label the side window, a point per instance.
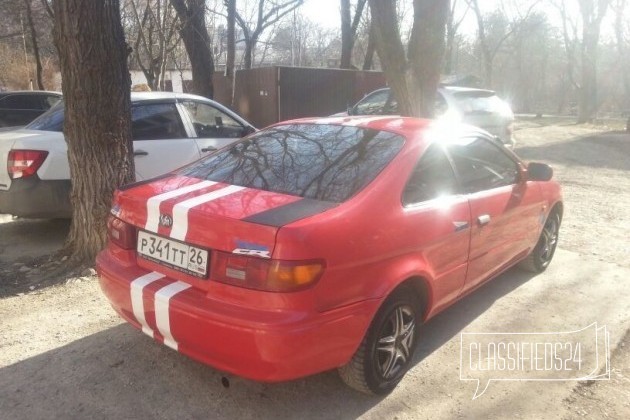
(212, 122)
(482, 165)
(373, 104)
(22, 102)
(156, 122)
(432, 177)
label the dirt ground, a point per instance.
(65, 354)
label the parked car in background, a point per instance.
(478, 107)
(19, 108)
(324, 243)
(169, 131)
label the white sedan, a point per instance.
(169, 131)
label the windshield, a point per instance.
(322, 162)
(51, 120)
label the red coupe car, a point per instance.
(324, 243)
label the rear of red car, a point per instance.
(221, 261)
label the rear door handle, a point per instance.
(140, 153)
(208, 149)
(483, 220)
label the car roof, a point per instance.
(454, 89)
(404, 126)
(411, 128)
(458, 89)
(151, 96)
(30, 92)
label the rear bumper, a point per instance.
(34, 198)
(264, 345)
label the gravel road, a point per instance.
(65, 354)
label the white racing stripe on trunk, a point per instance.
(137, 303)
(180, 210)
(153, 203)
(162, 317)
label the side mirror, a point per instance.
(248, 130)
(539, 171)
(349, 110)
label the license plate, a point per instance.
(173, 254)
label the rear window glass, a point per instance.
(321, 162)
(51, 120)
(480, 103)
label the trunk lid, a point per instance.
(206, 214)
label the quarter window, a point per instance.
(209, 122)
(432, 177)
(373, 104)
(482, 165)
(156, 122)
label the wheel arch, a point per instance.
(421, 287)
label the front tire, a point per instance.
(545, 248)
(386, 352)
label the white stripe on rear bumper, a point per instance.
(162, 317)
(153, 203)
(180, 210)
(137, 303)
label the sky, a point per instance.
(326, 12)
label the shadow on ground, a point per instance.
(606, 150)
(122, 373)
(24, 239)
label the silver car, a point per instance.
(477, 107)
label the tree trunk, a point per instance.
(593, 12)
(368, 62)
(347, 40)
(623, 58)
(483, 44)
(38, 60)
(413, 81)
(247, 57)
(97, 123)
(231, 38)
(192, 15)
(588, 86)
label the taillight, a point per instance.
(262, 274)
(121, 233)
(24, 163)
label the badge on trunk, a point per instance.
(166, 220)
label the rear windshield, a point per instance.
(51, 120)
(480, 102)
(321, 162)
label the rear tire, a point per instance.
(387, 350)
(542, 254)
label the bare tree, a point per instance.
(97, 123)
(622, 48)
(349, 26)
(452, 27)
(268, 13)
(231, 38)
(35, 45)
(592, 12)
(413, 77)
(156, 37)
(192, 17)
(489, 49)
(368, 60)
